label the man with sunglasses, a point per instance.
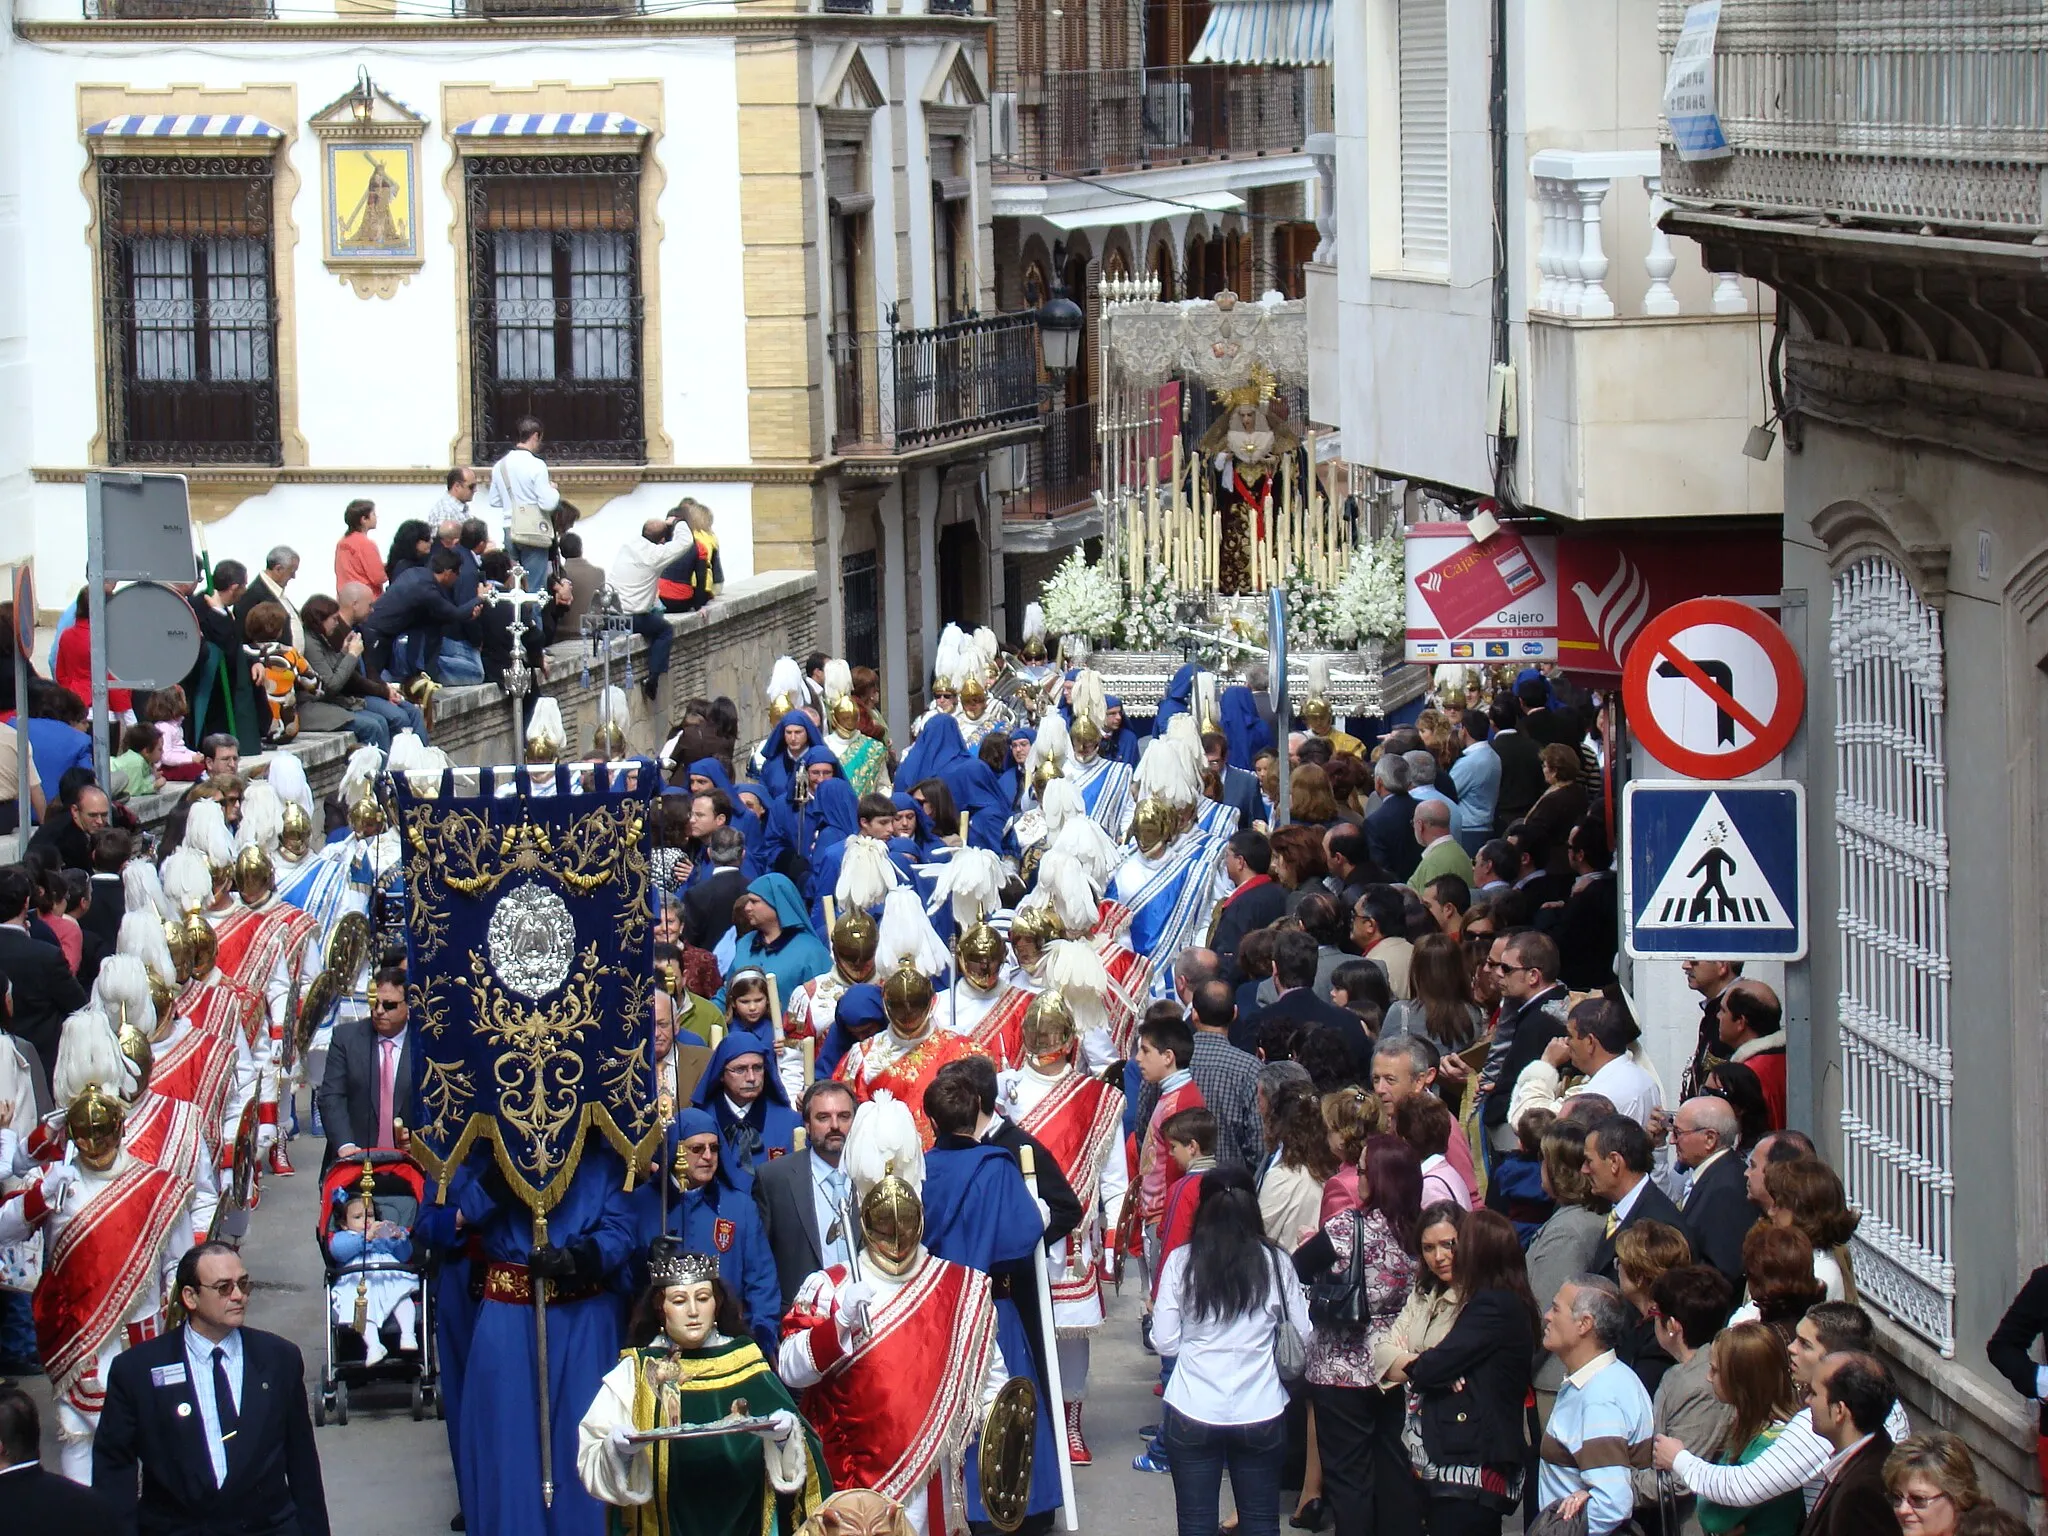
(215, 1384)
(1532, 1010)
(369, 1075)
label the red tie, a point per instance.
(387, 1079)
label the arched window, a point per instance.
(1891, 838)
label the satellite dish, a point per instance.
(152, 636)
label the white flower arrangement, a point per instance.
(1311, 612)
(1371, 602)
(1082, 599)
(1149, 624)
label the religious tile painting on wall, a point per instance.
(372, 202)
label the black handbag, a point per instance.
(1339, 1300)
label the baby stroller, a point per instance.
(397, 1189)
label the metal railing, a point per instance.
(546, 8)
(1874, 111)
(1082, 120)
(178, 10)
(899, 390)
(1059, 466)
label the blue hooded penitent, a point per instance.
(744, 821)
(933, 749)
(859, 1007)
(797, 953)
(719, 1219)
(1247, 734)
(1125, 744)
(777, 772)
(767, 1129)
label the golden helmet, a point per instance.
(781, 705)
(609, 740)
(1048, 1027)
(892, 1221)
(297, 834)
(981, 954)
(255, 875)
(1317, 715)
(1037, 926)
(93, 1123)
(844, 716)
(134, 1043)
(162, 993)
(178, 939)
(202, 946)
(1085, 734)
(1153, 824)
(854, 938)
(1048, 770)
(907, 998)
(973, 694)
(365, 815)
(543, 748)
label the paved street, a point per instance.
(388, 1476)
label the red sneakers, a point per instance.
(1077, 1448)
(281, 1160)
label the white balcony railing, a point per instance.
(1571, 188)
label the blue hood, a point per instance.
(780, 894)
(937, 746)
(1247, 734)
(740, 1043)
(776, 772)
(830, 818)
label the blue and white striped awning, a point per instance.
(522, 125)
(1288, 32)
(202, 125)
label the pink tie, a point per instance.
(387, 1078)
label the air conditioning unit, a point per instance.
(1169, 113)
(1002, 118)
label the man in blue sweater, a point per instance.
(1602, 1423)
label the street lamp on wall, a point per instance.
(362, 101)
(1060, 323)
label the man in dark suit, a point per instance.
(43, 990)
(1235, 787)
(1255, 902)
(69, 828)
(708, 903)
(368, 1084)
(1588, 926)
(1521, 763)
(214, 1415)
(1618, 1161)
(1532, 867)
(111, 850)
(1717, 1210)
(1390, 829)
(1532, 1008)
(1852, 1396)
(36, 1500)
(418, 603)
(1295, 954)
(804, 1199)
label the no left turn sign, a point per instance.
(1713, 688)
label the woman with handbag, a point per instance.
(1468, 1389)
(1361, 1267)
(1234, 1320)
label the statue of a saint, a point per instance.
(1244, 449)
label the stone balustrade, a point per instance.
(1570, 187)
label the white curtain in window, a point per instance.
(523, 304)
(237, 311)
(160, 288)
(601, 306)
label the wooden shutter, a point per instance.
(845, 183)
(1425, 137)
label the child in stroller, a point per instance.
(373, 1283)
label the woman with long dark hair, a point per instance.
(1744, 1092)
(410, 546)
(1439, 1003)
(1467, 1389)
(1363, 1261)
(1221, 1298)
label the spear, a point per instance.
(540, 1344)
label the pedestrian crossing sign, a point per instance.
(1714, 870)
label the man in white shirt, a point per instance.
(1597, 1035)
(520, 479)
(635, 573)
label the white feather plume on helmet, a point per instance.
(1091, 699)
(1034, 623)
(142, 891)
(89, 1052)
(883, 1141)
(866, 874)
(1083, 840)
(1075, 971)
(206, 833)
(987, 647)
(424, 776)
(906, 931)
(262, 819)
(142, 936)
(1050, 745)
(953, 658)
(972, 880)
(1067, 887)
(288, 777)
(1061, 801)
(121, 991)
(406, 748)
(546, 727)
(786, 681)
(188, 881)
(1167, 772)
(360, 776)
(838, 679)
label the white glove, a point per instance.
(618, 1440)
(1223, 462)
(853, 1309)
(57, 1183)
(1044, 1214)
(10, 1145)
(782, 1425)
(1006, 1092)
(266, 1138)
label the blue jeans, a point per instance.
(1254, 1455)
(379, 720)
(654, 628)
(535, 563)
(409, 657)
(459, 664)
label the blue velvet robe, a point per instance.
(979, 1212)
(497, 1462)
(770, 1127)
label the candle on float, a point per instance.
(1152, 485)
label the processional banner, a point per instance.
(531, 971)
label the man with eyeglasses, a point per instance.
(1532, 1009)
(214, 1383)
(1717, 1209)
(86, 814)
(369, 1075)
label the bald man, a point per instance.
(1752, 1030)
(1441, 852)
(1717, 1209)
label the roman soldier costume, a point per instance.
(263, 944)
(904, 1058)
(815, 1004)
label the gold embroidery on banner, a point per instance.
(537, 1074)
(445, 1091)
